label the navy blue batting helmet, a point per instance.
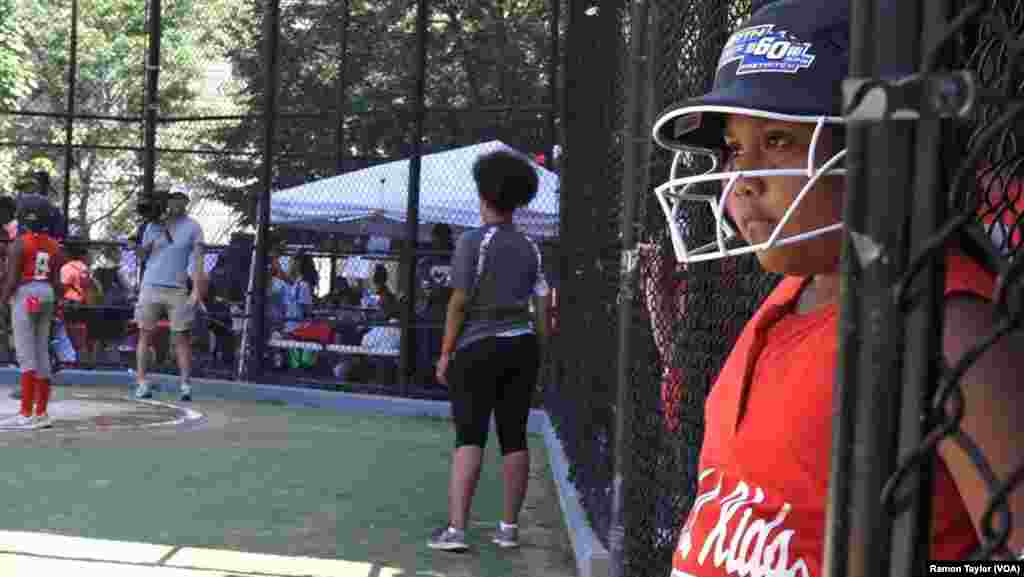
(786, 62)
(33, 213)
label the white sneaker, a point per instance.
(42, 422)
(143, 392)
(18, 421)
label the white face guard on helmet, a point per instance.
(678, 189)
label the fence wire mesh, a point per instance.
(345, 101)
(691, 316)
(684, 322)
(581, 402)
(986, 40)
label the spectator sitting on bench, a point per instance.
(117, 311)
(349, 327)
(375, 367)
(79, 288)
(277, 289)
(298, 297)
(384, 337)
(337, 296)
(380, 296)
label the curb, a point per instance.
(592, 558)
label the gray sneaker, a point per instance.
(506, 538)
(143, 391)
(448, 539)
(18, 421)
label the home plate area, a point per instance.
(85, 412)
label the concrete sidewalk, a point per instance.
(27, 554)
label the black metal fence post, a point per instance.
(408, 344)
(636, 152)
(339, 138)
(150, 115)
(69, 122)
(922, 362)
(271, 33)
(582, 405)
(553, 78)
(874, 368)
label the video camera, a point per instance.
(152, 207)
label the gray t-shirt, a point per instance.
(167, 265)
(500, 269)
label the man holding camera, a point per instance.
(168, 241)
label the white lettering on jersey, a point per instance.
(742, 544)
(42, 266)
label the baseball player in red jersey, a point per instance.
(32, 287)
(773, 126)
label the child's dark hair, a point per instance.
(380, 275)
(441, 236)
(75, 248)
(505, 180)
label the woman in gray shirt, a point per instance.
(490, 355)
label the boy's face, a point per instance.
(757, 203)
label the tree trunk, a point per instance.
(86, 171)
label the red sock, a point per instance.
(42, 394)
(28, 379)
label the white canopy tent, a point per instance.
(373, 201)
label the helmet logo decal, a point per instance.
(765, 49)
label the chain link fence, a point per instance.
(964, 165)
(352, 87)
(692, 317)
(682, 324)
(581, 402)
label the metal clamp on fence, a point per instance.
(940, 95)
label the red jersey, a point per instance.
(762, 486)
(38, 254)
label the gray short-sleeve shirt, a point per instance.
(173, 246)
(500, 268)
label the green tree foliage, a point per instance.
(110, 82)
(348, 63)
(13, 80)
(481, 55)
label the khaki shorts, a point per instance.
(154, 301)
